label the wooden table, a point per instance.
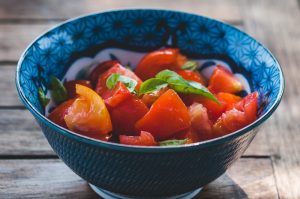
(270, 168)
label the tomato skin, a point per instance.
(88, 113)
(192, 76)
(71, 89)
(214, 110)
(154, 62)
(58, 114)
(200, 122)
(166, 117)
(101, 87)
(115, 96)
(126, 114)
(223, 80)
(101, 68)
(243, 113)
(144, 139)
(150, 98)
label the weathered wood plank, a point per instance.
(55, 9)
(20, 134)
(276, 24)
(9, 96)
(248, 178)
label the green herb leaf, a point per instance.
(42, 97)
(190, 65)
(180, 85)
(114, 78)
(58, 91)
(172, 142)
(151, 85)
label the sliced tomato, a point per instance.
(115, 96)
(243, 113)
(150, 98)
(192, 76)
(223, 80)
(101, 87)
(88, 113)
(101, 68)
(70, 86)
(214, 109)
(126, 114)
(166, 117)
(58, 114)
(154, 62)
(200, 122)
(144, 139)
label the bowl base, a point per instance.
(110, 195)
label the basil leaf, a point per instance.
(190, 65)
(151, 85)
(42, 97)
(180, 85)
(58, 91)
(172, 142)
(114, 78)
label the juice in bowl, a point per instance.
(148, 103)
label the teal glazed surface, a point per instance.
(148, 171)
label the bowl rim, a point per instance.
(117, 146)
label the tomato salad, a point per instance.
(164, 101)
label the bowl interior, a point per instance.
(69, 50)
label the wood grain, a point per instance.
(8, 96)
(30, 10)
(248, 178)
(276, 24)
(20, 134)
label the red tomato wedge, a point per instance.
(150, 98)
(88, 113)
(200, 122)
(223, 80)
(101, 68)
(117, 68)
(126, 114)
(71, 89)
(58, 114)
(243, 113)
(214, 110)
(166, 117)
(144, 139)
(192, 76)
(154, 62)
(116, 95)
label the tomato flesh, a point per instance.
(115, 96)
(200, 122)
(88, 113)
(58, 114)
(166, 117)
(71, 86)
(144, 139)
(126, 114)
(101, 87)
(223, 80)
(243, 113)
(101, 68)
(192, 76)
(154, 62)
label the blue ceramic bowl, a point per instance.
(71, 49)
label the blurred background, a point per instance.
(270, 167)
